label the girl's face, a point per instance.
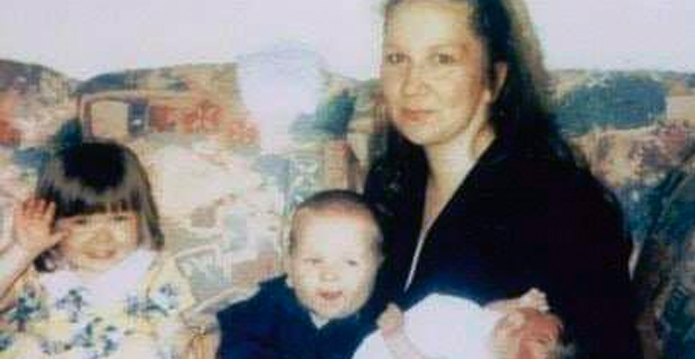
(97, 242)
(435, 71)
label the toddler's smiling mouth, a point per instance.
(330, 295)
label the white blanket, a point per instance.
(441, 326)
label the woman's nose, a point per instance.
(414, 83)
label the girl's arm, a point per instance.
(187, 331)
(203, 346)
(32, 235)
(13, 262)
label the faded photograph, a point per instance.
(507, 179)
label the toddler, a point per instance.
(316, 311)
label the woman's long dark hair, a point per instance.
(521, 115)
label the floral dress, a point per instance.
(132, 310)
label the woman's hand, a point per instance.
(527, 333)
(391, 320)
(33, 233)
(540, 336)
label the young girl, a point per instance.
(99, 286)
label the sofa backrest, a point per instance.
(226, 180)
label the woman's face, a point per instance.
(435, 72)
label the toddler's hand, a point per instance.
(32, 230)
(391, 320)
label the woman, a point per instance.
(479, 195)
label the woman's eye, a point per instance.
(395, 58)
(312, 261)
(444, 59)
(353, 263)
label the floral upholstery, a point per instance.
(225, 198)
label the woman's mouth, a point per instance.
(415, 115)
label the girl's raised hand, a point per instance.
(33, 227)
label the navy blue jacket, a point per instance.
(274, 325)
(517, 221)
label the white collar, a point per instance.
(318, 321)
(111, 286)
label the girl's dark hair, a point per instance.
(94, 177)
(521, 114)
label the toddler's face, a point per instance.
(333, 264)
(97, 242)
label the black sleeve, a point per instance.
(376, 193)
(245, 334)
(588, 267)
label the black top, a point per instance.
(517, 221)
(274, 325)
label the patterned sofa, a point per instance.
(225, 178)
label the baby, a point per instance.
(443, 326)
